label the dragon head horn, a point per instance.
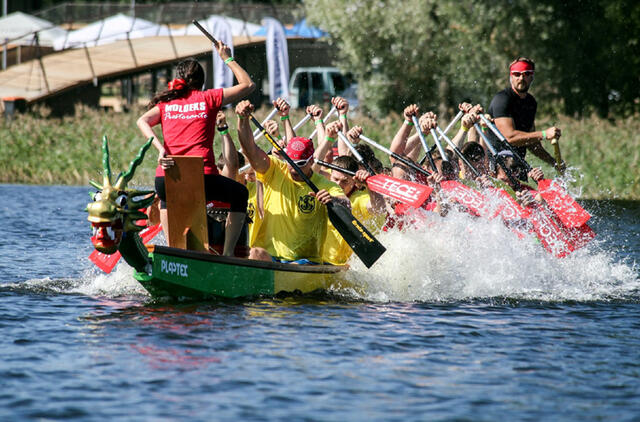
(124, 178)
(106, 177)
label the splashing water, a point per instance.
(459, 258)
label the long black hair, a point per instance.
(188, 70)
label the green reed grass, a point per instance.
(36, 149)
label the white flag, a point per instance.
(277, 59)
(221, 31)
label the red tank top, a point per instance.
(188, 126)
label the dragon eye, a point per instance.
(121, 200)
(97, 196)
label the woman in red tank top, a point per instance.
(187, 115)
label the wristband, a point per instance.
(224, 132)
(330, 139)
(284, 117)
(466, 129)
(319, 122)
(408, 123)
(544, 135)
(223, 128)
(229, 60)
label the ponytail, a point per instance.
(190, 76)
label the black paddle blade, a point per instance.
(355, 234)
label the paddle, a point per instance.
(409, 193)
(444, 136)
(256, 133)
(558, 157)
(400, 158)
(499, 158)
(566, 208)
(416, 123)
(363, 243)
(412, 194)
(443, 153)
(355, 153)
(446, 130)
(331, 112)
(304, 120)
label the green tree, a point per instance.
(438, 53)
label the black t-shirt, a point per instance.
(507, 103)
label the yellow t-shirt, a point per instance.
(294, 224)
(336, 251)
(252, 212)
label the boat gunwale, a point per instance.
(245, 262)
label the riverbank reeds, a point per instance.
(35, 149)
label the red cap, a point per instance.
(300, 148)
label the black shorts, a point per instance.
(216, 188)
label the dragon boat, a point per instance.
(188, 267)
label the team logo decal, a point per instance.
(250, 210)
(306, 204)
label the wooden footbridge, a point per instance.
(57, 73)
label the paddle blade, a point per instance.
(466, 196)
(355, 234)
(412, 194)
(570, 213)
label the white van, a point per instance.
(316, 85)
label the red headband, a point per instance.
(176, 84)
(521, 67)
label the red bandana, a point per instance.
(521, 67)
(176, 84)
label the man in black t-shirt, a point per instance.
(514, 111)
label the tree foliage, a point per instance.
(442, 52)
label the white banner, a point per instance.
(221, 31)
(277, 59)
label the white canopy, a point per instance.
(238, 27)
(20, 27)
(109, 30)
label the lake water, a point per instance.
(461, 322)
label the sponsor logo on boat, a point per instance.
(174, 268)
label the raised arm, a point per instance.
(342, 105)
(245, 85)
(258, 159)
(283, 108)
(398, 144)
(466, 123)
(229, 152)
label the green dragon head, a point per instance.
(115, 208)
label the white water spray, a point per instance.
(459, 257)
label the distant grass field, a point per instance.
(34, 149)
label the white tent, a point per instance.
(109, 30)
(238, 27)
(19, 28)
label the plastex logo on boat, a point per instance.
(174, 268)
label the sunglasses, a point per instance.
(301, 163)
(525, 73)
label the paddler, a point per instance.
(365, 205)
(295, 220)
(514, 110)
(188, 116)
